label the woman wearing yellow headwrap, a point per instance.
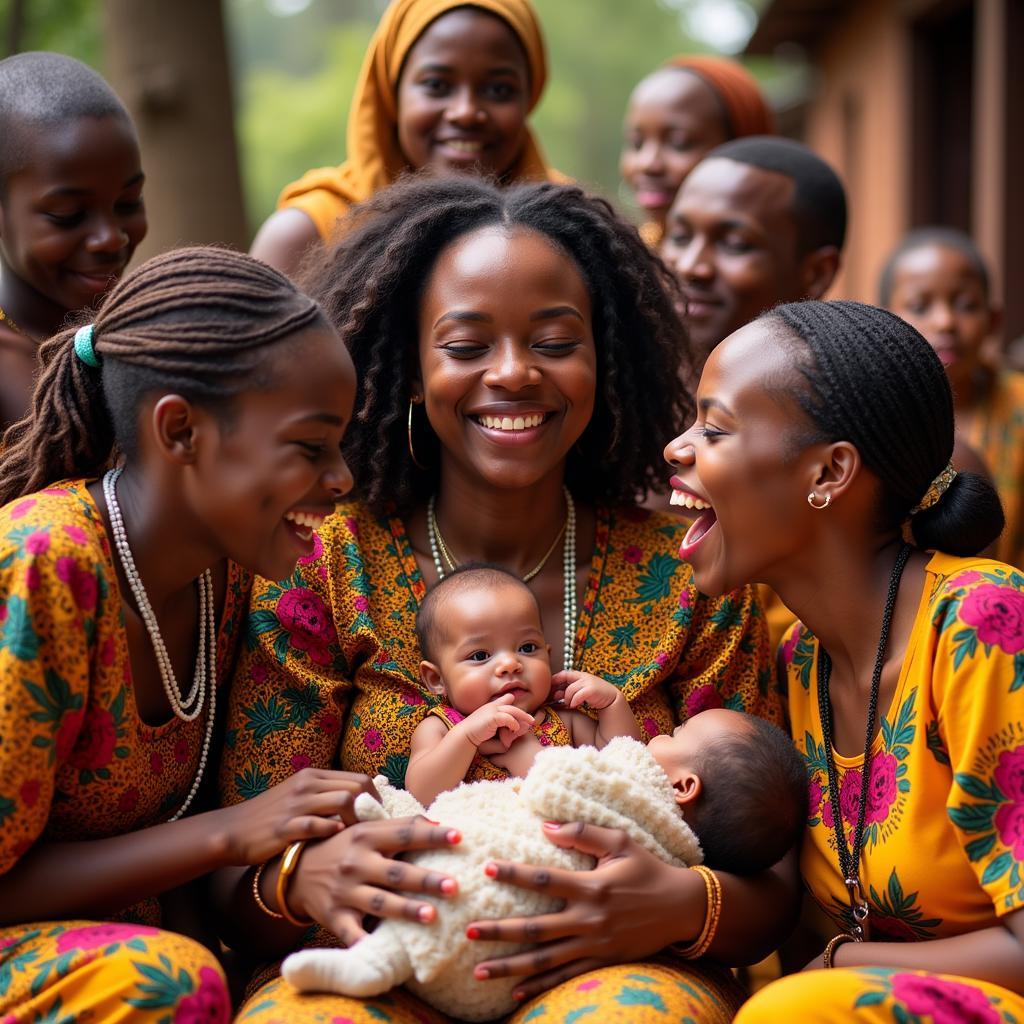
(445, 86)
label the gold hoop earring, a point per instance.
(825, 504)
(412, 452)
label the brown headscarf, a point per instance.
(374, 159)
(744, 104)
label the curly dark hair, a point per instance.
(370, 285)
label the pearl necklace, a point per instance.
(206, 656)
(437, 546)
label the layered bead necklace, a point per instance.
(186, 707)
(439, 548)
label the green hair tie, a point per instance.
(83, 347)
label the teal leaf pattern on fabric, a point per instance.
(655, 582)
(302, 703)
(936, 744)
(630, 995)
(581, 1011)
(394, 769)
(162, 988)
(252, 782)
(265, 718)
(16, 632)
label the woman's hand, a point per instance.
(342, 879)
(630, 905)
(312, 804)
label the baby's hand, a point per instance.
(576, 689)
(499, 718)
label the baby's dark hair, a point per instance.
(920, 238)
(819, 199)
(463, 577)
(42, 90)
(198, 322)
(867, 377)
(753, 803)
(371, 283)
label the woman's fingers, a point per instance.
(397, 835)
(552, 881)
(540, 983)
(311, 827)
(592, 839)
(399, 876)
(347, 925)
(381, 903)
(542, 928)
(539, 960)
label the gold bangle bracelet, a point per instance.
(833, 944)
(260, 902)
(289, 862)
(702, 943)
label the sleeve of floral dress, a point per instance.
(288, 693)
(51, 586)
(977, 628)
(726, 660)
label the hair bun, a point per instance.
(966, 519)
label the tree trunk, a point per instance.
(169, 63)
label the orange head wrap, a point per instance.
(374, 159)
(744, 103)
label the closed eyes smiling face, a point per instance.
(508, 368)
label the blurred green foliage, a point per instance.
(296, 76)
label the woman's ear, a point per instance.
(834, 470)
(430, 676)
(173, 428)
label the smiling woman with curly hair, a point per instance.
(518, 355)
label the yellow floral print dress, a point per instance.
(997, 433)
(944, 829)
(77, 763)
(336, 644)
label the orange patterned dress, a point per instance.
(330, 677)
(77, 763)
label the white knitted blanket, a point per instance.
(621, 787)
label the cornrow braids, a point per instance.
(370, 286)
(869, 378)
(196, 322)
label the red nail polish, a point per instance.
(481, 973)
(448, 886)
(518, 996)
(453, 835)
(472, 932)
(491, 869)
(552, 826)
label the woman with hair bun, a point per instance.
(822, 445)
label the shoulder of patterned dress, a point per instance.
(954, 576)
(59, 520)
(633, 534)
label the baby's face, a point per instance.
(489, 643)
(680, 753)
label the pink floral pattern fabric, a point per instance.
(947, 767)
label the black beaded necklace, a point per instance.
(849, 859)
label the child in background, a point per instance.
(937, 281)
(676, 115)
(484, 651)
(71, 211)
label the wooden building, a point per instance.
(919, 104)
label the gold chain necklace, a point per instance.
(435, 532)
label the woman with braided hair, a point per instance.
(518, 352)
(822, 449)
(176, 446)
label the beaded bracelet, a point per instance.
(702, 943)
(833, 944)
(260, 902)
(289, 862)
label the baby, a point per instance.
(725, 788)
(480, 636)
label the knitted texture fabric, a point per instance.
(621, 786)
